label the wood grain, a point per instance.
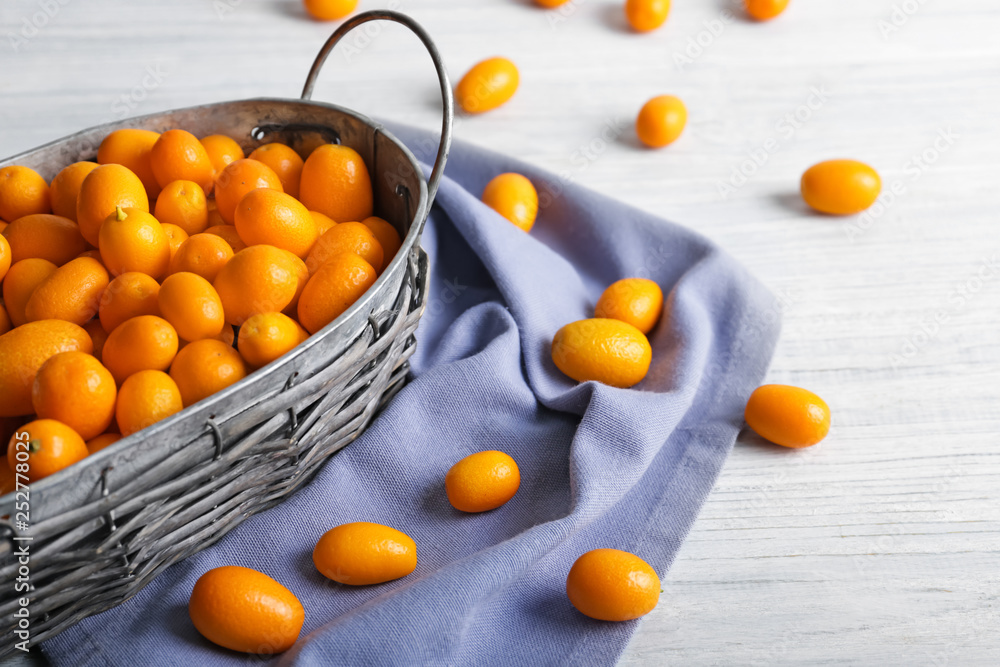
(881, 545)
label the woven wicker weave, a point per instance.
(101, 530)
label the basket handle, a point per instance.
(446, 94)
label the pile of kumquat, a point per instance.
(164, 272)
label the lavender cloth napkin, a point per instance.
(600, 467)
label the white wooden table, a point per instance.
(880, 546)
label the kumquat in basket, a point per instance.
(166, 271)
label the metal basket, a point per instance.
(100, 530)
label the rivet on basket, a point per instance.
(404, 192)
(216, 436)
